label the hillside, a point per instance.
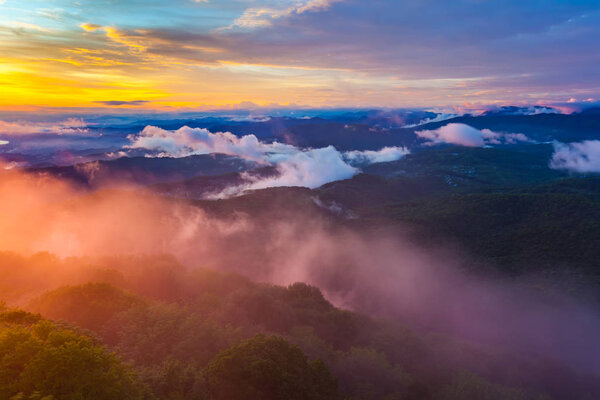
(172, 330)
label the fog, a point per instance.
(382, 273)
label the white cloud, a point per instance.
(315, 167)
(311, 168)
(257, 17)
(68, 126)
(187, 141)
(461, 134)
(581, 157)
(386, 154)
(3, 142)
(465, 135)
(296, 167)
(438, 118)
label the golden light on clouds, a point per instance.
(307, 52)
(93, 63)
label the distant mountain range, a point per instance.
(146, 170)
(346, 131)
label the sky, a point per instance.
(195, 54)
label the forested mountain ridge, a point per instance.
(172, 324)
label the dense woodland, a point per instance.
(152, 327)
(299, 200)
(147, 327)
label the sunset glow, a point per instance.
(184, 53)
(299, 199)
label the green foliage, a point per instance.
(41, 360)
(184, 330)
(368, 374)
(172, 343)
(175, 380)
(503, 205)
(516, 230)
(301, 295)
(439, 172)
(268, 368)
(90, 305)
(152, 335)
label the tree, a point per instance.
(41, 360)
(268, 368)
(469, 386)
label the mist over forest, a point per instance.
(299, 200)
(442, 260)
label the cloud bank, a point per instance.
(122, 102)
(187, 141)
(66, 127)
(295, 166)
(465, 135)
(583, 157)
(386, 154)
(311, 168)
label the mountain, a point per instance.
(146, 170)
(451, 273)
(173, 331)
(514, 110)
(210, 186)
(540, 127)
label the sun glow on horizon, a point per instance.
(203, 54)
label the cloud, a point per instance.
(315, 167)
(257, 17)
(465, 135)
(322, 52)
(514, 110)
(386, 154)
(553, 44)
(121, 221)
(581, 157)
(122, 102)
(311, 168)
(187, 141)
(438, 118)
(576, 106)
(4, 142)
(26, 25)
(66, 127)
(88, 27)
(294, 166)
(460, 134)
(384, 273)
